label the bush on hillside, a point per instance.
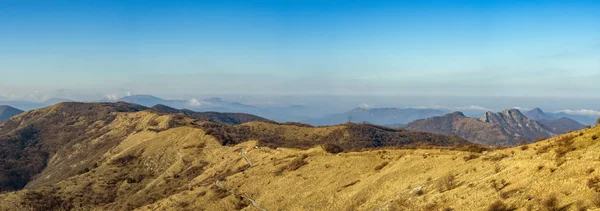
(446, 183)
(500, 206)
(332, 148)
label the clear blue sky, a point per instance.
(341, 47)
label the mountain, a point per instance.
(149, 101)
(7, 112)
(517, 124)
(509, 127)
(562, 125)
(559, 125)
(126, 157)
(379, 116)
(537, 114)
(28, 105)
(227, 118)
(583, 119)
(471, 129)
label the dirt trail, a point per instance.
(254, 204)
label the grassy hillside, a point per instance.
(167, 162)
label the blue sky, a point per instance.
(87, 49)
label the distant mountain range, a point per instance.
(215, 104)
(379, 116)
(538, 114)
(27, 105)
(509, 127)
(7, 112)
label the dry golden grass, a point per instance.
(176, 169)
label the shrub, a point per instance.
(297, 163)
(543, 149)
(381, 166)
(525, 147)
(332, 148)
(564, 145)
(294, 165)
(496, 157)
(500, 206)
(594, 137)
(590, 171)
(153, 122)
(471, 157)
(499, 185)
(446, 183)
(592, 183)
(552, 204)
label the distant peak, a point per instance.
(457, 113)
(510, 112)
(140, 97)
(359, 109)
(214, 100)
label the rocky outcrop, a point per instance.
(509, 127)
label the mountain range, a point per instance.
(509, 127)
(380, 116)
(7, 112)
(123, 156)
(538, 115)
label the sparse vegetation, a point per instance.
(552, 204)
(543, 149)
(564, 145)
(496, 157)
(381, 166)
(499, 185)
(332, 148)
(446, 183)
(294, 165)
(500, 206)
(592, 183)
(471, 157)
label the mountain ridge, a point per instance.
(7, 112)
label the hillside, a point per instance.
(8, 112)
(169, 162)
(379, 116)
(45, 146)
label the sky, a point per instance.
(87, 50)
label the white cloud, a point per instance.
(194, 102)
(584, 112)
(127, 93)
(111, 97)
(364, 106)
